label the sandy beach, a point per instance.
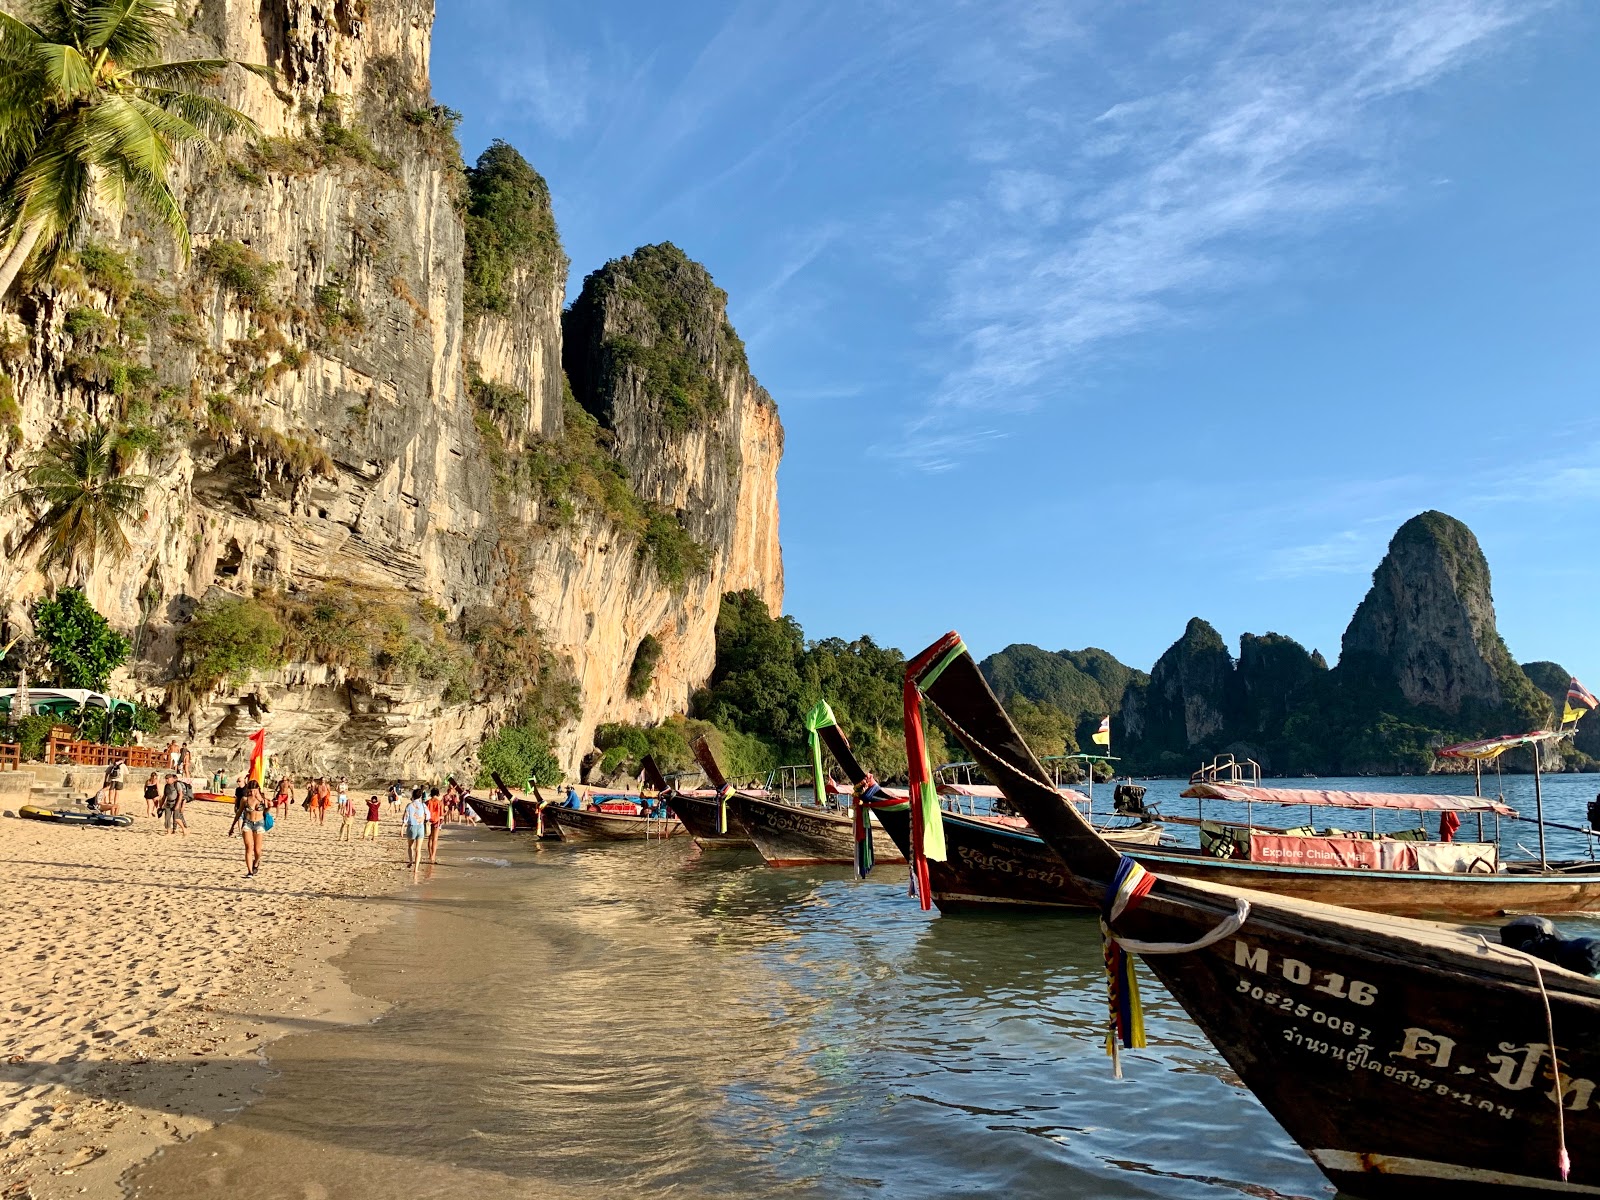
(141, 974)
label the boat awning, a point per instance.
(989, 792)
(1496, 746)
(1243, 794)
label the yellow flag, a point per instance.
(1102, 736)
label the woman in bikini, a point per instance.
(250, 817)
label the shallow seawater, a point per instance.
(652, 1020)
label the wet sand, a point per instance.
(141, 975)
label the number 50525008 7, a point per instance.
(1288, 1004)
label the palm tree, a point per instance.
(89, 111)
(86, 494)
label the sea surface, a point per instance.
(653, 1020)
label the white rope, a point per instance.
(1563, 1159)
(1229, 926)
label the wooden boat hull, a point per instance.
(1400, 893)
(1411, 1062)
(1429, 1084)
(586, 825)
(699, 815)
(490, 812)
(788, 836)
(991, 866)
(527, 814)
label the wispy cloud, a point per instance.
(1139, 211)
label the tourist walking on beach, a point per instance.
(371, 829)
(250, 817)
(435, 819)
(347, 813)
(394, 797)
(116, 776)
(185, 761)
(152, 795)
(415, 822)
(172, 805)
(281, 798)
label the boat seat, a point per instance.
(1224, 841)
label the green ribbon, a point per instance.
(820, 717)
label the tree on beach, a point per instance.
(86, 493)
(89, 110)
(82, 647)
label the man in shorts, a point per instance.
(172, 799)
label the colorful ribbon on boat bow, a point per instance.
(723, 793)
(861, 817)
(927, 820)
(1128, 886)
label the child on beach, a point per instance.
(371, 829)
(347, 812)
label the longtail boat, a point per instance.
(1410, 1062)
(492, 813)
(990, 862)
(1458, 880)
(701, 811)
(599, 825)
(788, 835)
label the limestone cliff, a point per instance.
(1427, 629)
(652, 356)
(1186, 701)
(336, 420)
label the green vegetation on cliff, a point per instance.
(1081, 686)
(510, 227)
(766, 677)
(656, 318)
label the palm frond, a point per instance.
(216, 119)
(188, 72)
(128, 30)
(85, 495)
(156, 195)
(66, 72)
(17, 35)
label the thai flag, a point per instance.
(1580, 700)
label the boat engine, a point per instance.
(1127, 800)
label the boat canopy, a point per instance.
(1496, 746)
(1305, 796)
(990, 792)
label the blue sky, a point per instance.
(1085, 319)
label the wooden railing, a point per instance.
(10, 756)
(66, 751)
